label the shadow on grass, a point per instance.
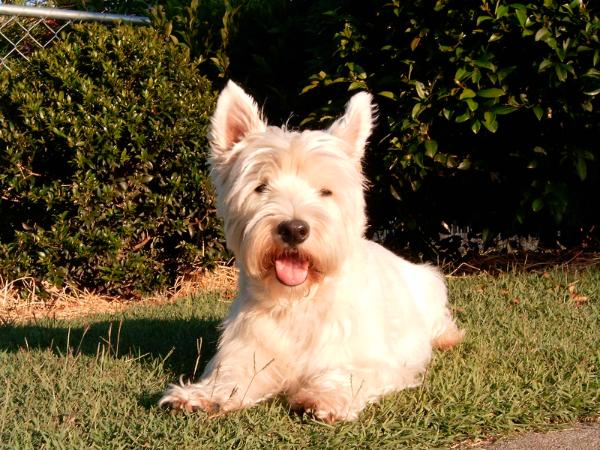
(176, 341)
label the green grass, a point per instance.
(531, 361)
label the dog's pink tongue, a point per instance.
(291, 270)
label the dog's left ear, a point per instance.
(354, 127)
(235, 116)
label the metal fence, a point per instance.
(24, 29)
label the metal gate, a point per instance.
(24, 29)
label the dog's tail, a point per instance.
(449, 338)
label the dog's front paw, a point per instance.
(188, 398)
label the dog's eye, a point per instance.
(261, 188)
(325, 192)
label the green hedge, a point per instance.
(488, 111)
(103, 163)
(488, 118)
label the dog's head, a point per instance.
(292, 202)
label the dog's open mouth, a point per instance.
(291, 268)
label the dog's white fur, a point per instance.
(364, 321)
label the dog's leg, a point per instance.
(336, 395)
(450, 337)
(229, 383)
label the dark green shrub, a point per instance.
(205, 27)
(270, 46)
(103, 169)
(488, 111)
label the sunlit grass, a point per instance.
(531, 360)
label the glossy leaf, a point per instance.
(537, 205)
(431, 148)
(467, 93)
(491, 93)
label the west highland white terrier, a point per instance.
(325, 317)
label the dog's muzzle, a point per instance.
(291, 268)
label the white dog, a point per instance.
(325, 317)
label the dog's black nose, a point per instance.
(293, 232)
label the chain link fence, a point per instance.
(24, 29)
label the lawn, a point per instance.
(531, 360)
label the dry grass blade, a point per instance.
(20, 302)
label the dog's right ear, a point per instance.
(235, 116)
